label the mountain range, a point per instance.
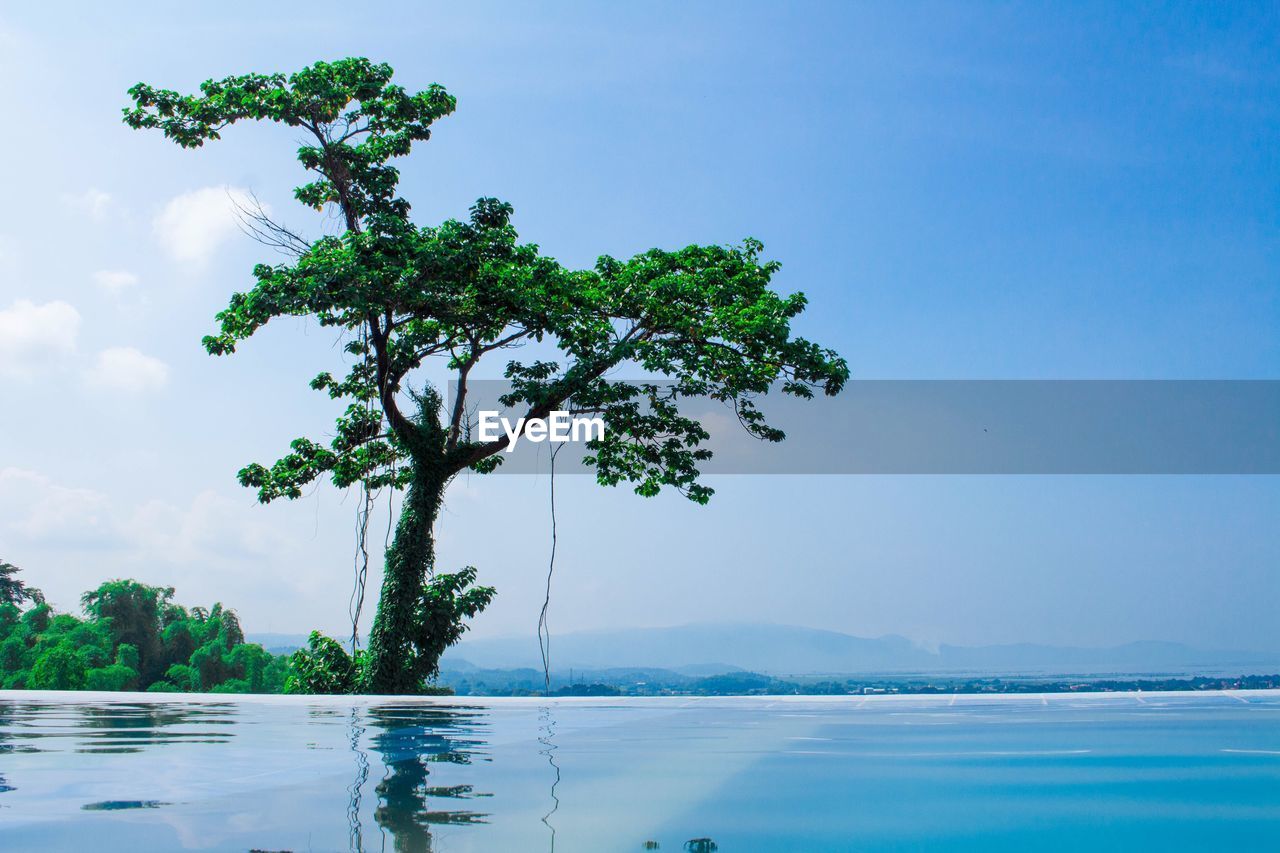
(790, 650)
(783, 650)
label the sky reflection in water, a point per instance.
(1117, 771)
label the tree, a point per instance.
(14, 591)
(134, 612)
(121, 675)
(323, 667)
(133, 638)
(59, 668)
(704, 317)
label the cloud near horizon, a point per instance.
(193, 226)
(93, 203)
(115, 282)
(37, 510)
(127, 370)
(34, 337)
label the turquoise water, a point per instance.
(1072, 772)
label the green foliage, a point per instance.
(131, 611)
(114, 677)
(359, 118)
(258, 671)
(183, 677)
(322, 667)
(164, 687)
(14, 591)
(58, 668)
(445, 602)
(399, 294)
(127, 655)
(37, 618)
(133, 637)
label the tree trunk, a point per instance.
(394, 662)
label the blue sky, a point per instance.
(986, 191)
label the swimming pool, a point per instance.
(1098, 772)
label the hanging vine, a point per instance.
(363, 510)
(544, 633)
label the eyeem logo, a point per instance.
(558, 427)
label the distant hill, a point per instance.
(788, 650)
(710, 649)
(278, 644)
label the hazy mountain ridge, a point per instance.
(791, 650)
(705, 649)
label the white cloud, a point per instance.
(115, 282)
(128, 370)
(34, 336)
(193, 225)
(36, 509)
(94, 203)
(213, 529)
(211, 546)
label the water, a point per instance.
(134, 772)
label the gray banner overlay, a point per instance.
(974, 427)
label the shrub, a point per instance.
(322, 667)
(60, 668)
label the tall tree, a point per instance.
(13, 590)
(705, 317)
(132, 611)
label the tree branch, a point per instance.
(455, 420)
(568, 387)
(256, 224)
(402, 426)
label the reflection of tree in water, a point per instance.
(410, 739)
(355, 830)
(129, 727)
(546, 738)
(6, 720)
(115, 726)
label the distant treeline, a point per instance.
(134, 637)
(131, 637)
(667, 683)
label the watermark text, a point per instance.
(558, 427)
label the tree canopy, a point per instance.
(704, 316)
(133, 637)
(13, 590)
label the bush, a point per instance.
(323, 667)
(183, 677)
(132, 636)
(60, 668)
(114, 677)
